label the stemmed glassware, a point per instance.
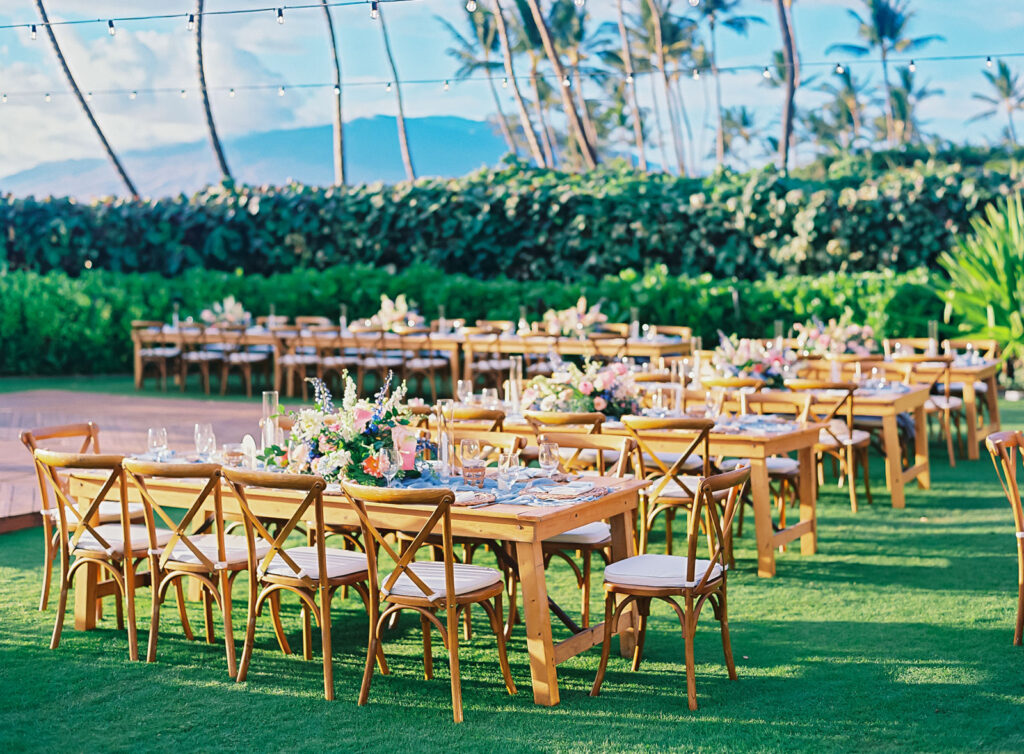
(156, 442)
(473, 466)
(548, 457)
(508, 470)
(206, 441)
(389, 461)
(463, 389)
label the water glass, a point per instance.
(463, 389)
(206, 442)
(474, 471)
(469, 450)
(156, 441)
(508, 471)
(490, 398)
(234, 455)
(548, 457)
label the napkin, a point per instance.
(470, 497)
(562, 491)
(249, 448)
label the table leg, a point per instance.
(893, 460)
(924, 478)
(971, 412)
(992, 398)
(539, 644)
(86, 581)
(623, 547)
(761, 495)
(453, 360)
(467, 366)
(809, 500)
(137, 362)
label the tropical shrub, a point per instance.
(54, 323)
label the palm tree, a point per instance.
(218, 149)
(576, 129)
(339, 123)
(779, 71)
(847, 106)
(1009, 96)
(740, 126)
(569, 34)
(84, 105)
(529, 42)
(722, 12)
(884, 30)
(907, 95)
(510, 74)
(627, 62)
(403, 136)
(485, 38)
(791, 70)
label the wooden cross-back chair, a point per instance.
(194, 355)
(213, 560)
(108, 511)
(589, 538)
(643, 578)
(424, 587)
(832, 405)
(300, 359)
(606, 347)
(373, 354)
(1007, 451)
(933, 371)
(422, 361)
(162, 357)
(536, 361)
(332, 356)
(115, 548)
(489, 419)
(239, 356)
(312, 572)
(671, 471)
(989, 349)
(489, 363)
(559, 421)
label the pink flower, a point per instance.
(324, 445)
(586, 387)
(361, 417)
(601, 383)
(619, 368)
(405, 442)
(529, 396)
(600, 404)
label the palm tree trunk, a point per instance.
(660, 54)
(720, 130)
(663, 143)
(588, 122)
(571, 113)
(403, 136)
(339, 123)
(890, 113)
(84, 105)
(538, 106)
(510, 73)
(791, 60)
(627, 61)
(218, 149)
(506, 132)
(1009, 118)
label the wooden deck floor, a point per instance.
(123, 421)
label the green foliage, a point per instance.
(520, 223)
(986, 277)
(58, 324)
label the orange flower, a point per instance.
(372, 466)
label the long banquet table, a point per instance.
(525, 527)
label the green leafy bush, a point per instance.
(54, 323)
(521, 223)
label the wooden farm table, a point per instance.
(278, 341)
(968, 375)
(526, 527)
(758, 448)
(636, 347)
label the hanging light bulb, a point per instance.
(629, 78)
(184, 94)
(47, 97)
(280, 91)
(839, 69)
(110, 28)
(988, 62)
(337, 89)
(504, 83)
(913, 66)
(3, 98)
(88, 96)
(471, 5)
(231, 93)
(766, 73)
(388, 87)
(446, 86)
(191, 21)
(694, 3)
(133, 95)
(280, 15)
(580, 3)
(566, 82)
(696, 75)
(374, 10)
(32, 32)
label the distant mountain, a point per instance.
(441, 146)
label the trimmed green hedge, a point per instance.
(58, 324)
(520, 223)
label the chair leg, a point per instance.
(229, 633)
(452, 631)
(691, 670)
(723, 620)
(606, 645)
(1019, 630)
(585, 611)
(48, 553)
(851, 474)
(494, 613)
(62, 604)
(865, 465)
(669, 515)
(275, 616)
(467, 624)
(644, 606)
(947, 426)
(154, 622)
(207, 614)
(428, 650)
(325, 639)
(129, 596)
(307, 634)
(250, 631)
(179, 597)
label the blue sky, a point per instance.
(255, 50)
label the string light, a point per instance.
(912, 66)
(766, 73)
(47, 97)
(184, 94)
(88, 96)
(231, 93)
(694, 3)
(446, 86)
(337, 89)
(374, 10)
(280, 91)
(3, 99)
(580, 3)
(191, 21)
(471, 5)
(133, 95)
(839, 69)
(504, 83)
(110, 27)
(629, 78)
(988, 62)
(696, 75)
(32, 33)
(280, 15)
(388, 87)
(566, 82)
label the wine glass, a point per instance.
(508, 470)
(469, 449)
(548, 457)
(490, 398)
(389, 460)
(463, 389)
(156, 441)
(709, 405)
(206, 441)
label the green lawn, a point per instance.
(896, 635)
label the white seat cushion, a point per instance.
(588, 534)
(112, 534)
(659, 571)
(730, 464)
(381, 362)
(492, 365)
(958, 387)
(109, 511)
(235, 549)
(426, 363)
(839, 434)
(588, 455)
(161, 352)
(468, 578)
(339, 563)
(942, 403)
(299, 358)
(202, 356)
(775, 464)
(338, 361)
(247, 357)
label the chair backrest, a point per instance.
(619, 328)
(437, 501)
(606, 346)
(693, 438)
(704, 516)
(271, 321)
(926, 370)
(1007, 451)
(776, 402)
(139, 472)
(483, 416)
(733, 383)
(147, 324)
(585, 422)
(623, 447)
(829, 402)
(679, 331)
(242, 482)
(988, 347)
(191, 336)
(491, 443)
(88, 432)
(54, 467)
(308, 321)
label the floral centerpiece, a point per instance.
(227, 312)
(576, 320)
(609, 390)
(840, 336)
(395, 313)
(343, 443)
(746, 357)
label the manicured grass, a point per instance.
(896, 635)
